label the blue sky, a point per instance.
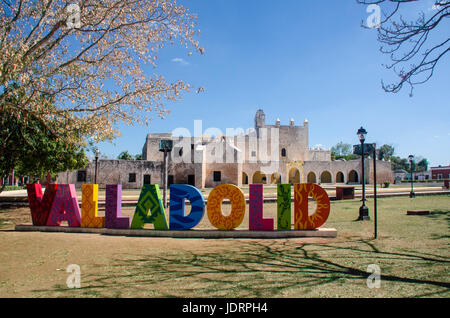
(298, 59)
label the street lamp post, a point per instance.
(411, 159)
(363, 210)
(375, 223)
(165, 145)
(97, 154)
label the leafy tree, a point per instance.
(29, 146)
(138, 156)
(124, 155)
(422, 165)
(419, 165)
(398, 163)
(385, 152)
(341, 149)
(413, 44)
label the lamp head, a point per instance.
(361, 134)
(165, 145)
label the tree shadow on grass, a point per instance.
(443, 215)
(257, 269)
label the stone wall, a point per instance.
(116, 172)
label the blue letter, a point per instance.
(177, 219)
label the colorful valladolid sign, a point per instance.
(59, 203)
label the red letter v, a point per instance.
(40, 205)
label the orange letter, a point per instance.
(214, 206)
(302, 221)
(89, 207)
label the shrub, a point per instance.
(12, 187)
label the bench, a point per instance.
(344, 193)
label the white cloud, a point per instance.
(180, 61)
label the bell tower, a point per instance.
(260, 120)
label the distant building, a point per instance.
(422, 175)
(440, 172)
(400, 175)
(267, 154)
(14, 180)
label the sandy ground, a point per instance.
(412, 252)
(33, 264)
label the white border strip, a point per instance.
(321, 232)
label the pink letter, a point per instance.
(65, 207)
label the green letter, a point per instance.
(149, 200)
(284, 207)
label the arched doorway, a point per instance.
(325, 177)
(339, 177)
(294, 176)
(244, 178)
(275, 178)
(353, 177)
(311, 177)
(259, 177)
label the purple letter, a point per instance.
(113, 208)
(256, 221)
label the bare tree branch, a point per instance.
(414, 47)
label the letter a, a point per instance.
(65, 207)
(149, 200)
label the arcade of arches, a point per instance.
(353, 176)
(294, 177)
(325, 177)
(340, 177)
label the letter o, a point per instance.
(214, 207)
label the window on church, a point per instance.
(283, 152)
(132, 177)
(253, 153)
(81, 176)
(217, 176)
